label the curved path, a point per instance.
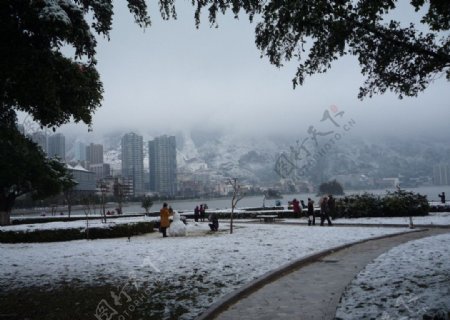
(309, 288)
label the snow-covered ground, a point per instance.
(191, 272)
(434, 218)
(407, 282)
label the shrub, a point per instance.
(53, 235)
(399, 203)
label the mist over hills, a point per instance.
(217, 155)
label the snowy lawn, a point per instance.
(175, 277)
(407, 282)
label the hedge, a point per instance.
(53, 235)
(399, 203)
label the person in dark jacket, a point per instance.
(311, 216)
(196, 213)
(202, 213)
(332, 206)
(324, 211)
(303, 204)
(214, 225)
(442, 196)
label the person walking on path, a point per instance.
(332, 206)
(324, 211)
(311, 216)
(164, 219)
(196, 213)
(296, 207)
(442, 196)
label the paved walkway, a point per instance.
(310, 292)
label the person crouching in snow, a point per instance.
(214, 225)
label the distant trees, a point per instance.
(147, 203)
(331, 187)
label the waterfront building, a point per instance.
(56, 145)
(163, 165)
(133, 161)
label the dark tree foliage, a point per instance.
(392, 56)
(35, 76)
(25, 169)
(331, 187)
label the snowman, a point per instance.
(177, 227)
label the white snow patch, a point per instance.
(207, 267)
(407, 282)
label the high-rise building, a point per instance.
(441, 174)
(94, 153)
(133, 161)
(40, 138)
(57, 146)
(80, 151)
(101, 170)
(163, 165)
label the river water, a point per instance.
(257, 201)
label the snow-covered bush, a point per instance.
(399, 203)
(55, 235)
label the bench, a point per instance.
(267, 218)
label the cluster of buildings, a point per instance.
(93, 174)
(163, 178)
(162, 174)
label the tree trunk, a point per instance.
(231, 220)
(5, 218)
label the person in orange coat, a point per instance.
(164, 221)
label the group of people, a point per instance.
(200, 212)
(327, 208)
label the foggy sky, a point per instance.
(174, 77)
